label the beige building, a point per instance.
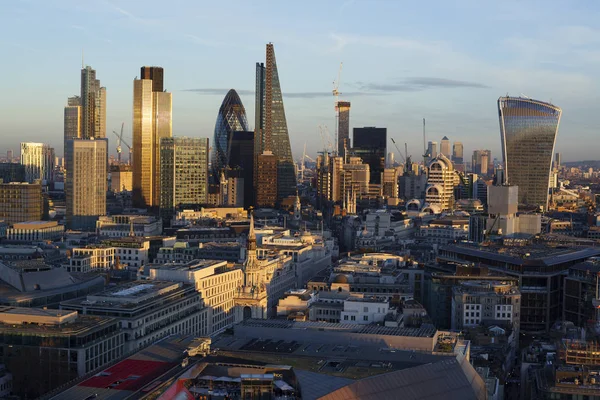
(21, 202)
(439, 194)
(86, 182)
(38, 159)
(121, 178)
(152, 121)
(91, 258)
(32, 231)
(72, 118)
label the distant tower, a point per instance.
(297, 208)
(457, 153)
(343, 109)
(93, 105)
(38, 159)
(445, 147)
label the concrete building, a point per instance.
(233, 252)
(538, 266)
(131, 252)
(38, 160)
(35, 231)
(364, 311)
(88, 259)
(116, 226)
(121, 178)
(86, 182)
(20, 202)
(295, 301)
(148, 311)
(442, 178)
(444, 230)
(502, 209)
(486, 302)
(63, 344)
(12, 172)
(445, 147)
(216, 283)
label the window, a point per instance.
(345, 318)
(366, 318)
(365, 309)
(353, 318)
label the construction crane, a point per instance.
(325, 138)
(425, 155)
(399, 152)
(336, 95)
(121, 141)
(302, 166)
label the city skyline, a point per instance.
(457, 96)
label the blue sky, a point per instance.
(445, 61)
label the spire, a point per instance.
(251, 234)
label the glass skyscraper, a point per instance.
(528, 131)
(370, 145)
(231, 118)
(271, 126)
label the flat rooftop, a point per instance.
(34, 315)
(193, 265)
(427, 331)
(35, 224)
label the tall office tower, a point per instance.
(20, 202)
(152, 121)
(354, 180)
(38, 159)
(389, 161)
(267, 179)
(72, 118)
(231, 118)
(528, 131)
(480, 161)
(241, 156)
(156, 75)
(389, 185)
(457, 153)
(557, 161)
(445, 147)
(441, 181)
(271, 130)
(432, 150)
(93, 105)
(9, 155)
(343, 110)
(370, 145)
(183, 173)
(86, 182)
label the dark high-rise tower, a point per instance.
(343, 109)
(241, 156)
(93, 105)
(271, 127)
(231, 118)
(528, 131)
(155, 74)
(370, 144)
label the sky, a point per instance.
(403, 61)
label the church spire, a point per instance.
(251, 234)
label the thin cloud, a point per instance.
(219, 92)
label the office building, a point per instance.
(432, 150)
(457, 153)
(445, 147)
(121, 178)
(147, 310)
(183, 173)
(441, 180)
(343, 111)
(231, 118)
(267, 180)
(12, 172)
(486, 302)
(557, 160)
(20, 202)
(35, 231)
(480, 162)
(271, 130)
(528, 130)
(93, 105)
(72, 119)
(152, 121)
(86, 182)
(370, 145)
(156, 75)
(63, 345)
(389, 183)
(241, 157)
(38, 159)
(116, 226)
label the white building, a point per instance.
(439, 194)
(216, 283)
(92, 258)
(364, 311)
(445, 230)
(38, 159)
(35, 231)
(148, 311)
(128, 225)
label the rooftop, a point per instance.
(194, 265)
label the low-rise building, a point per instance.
(147, 310)
(63, 344)
(184, 252)
(214, 280)
(479, 302)
(444, 230)
(21, 201)
(116, 226)
(91, 258)
(295, 301)
(35, 231)
(365, 310)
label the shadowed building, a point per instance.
(343, 109)
(528, 131)
(241, 156)
(370, 145)
(93, 105)
(231, 118)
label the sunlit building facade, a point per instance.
(93, 105)
(231, 118)
(528, 130)
(271, 127)
(152, 121)
(183, 173)
(38, 160)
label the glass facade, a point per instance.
(370, 145)
(343, 109)
(528, 131)
(231, 118)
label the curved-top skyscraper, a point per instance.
(231, 118)
(528, 131)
